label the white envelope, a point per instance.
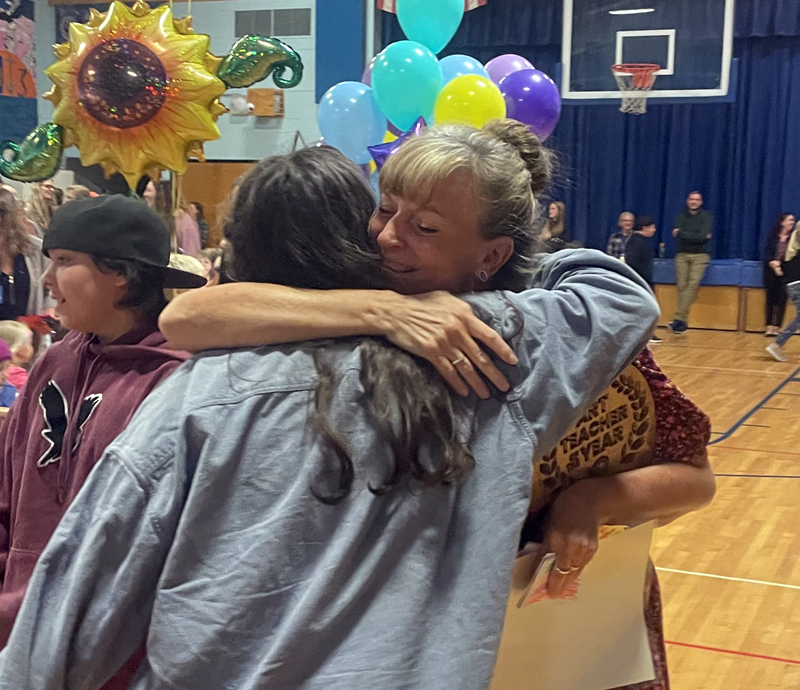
(596, 641)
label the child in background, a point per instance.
(8, 394)
(19, 339)
(206, 258)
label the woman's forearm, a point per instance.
(250, 314)
(659, 492)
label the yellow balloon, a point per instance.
(388, 137)
(469, 100)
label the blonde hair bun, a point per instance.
(538, 159)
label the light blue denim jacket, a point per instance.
(198, 529)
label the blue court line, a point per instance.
(792, 378)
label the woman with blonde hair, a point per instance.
(22, 264)
(790, 270)
(41, 205)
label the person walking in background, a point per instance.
(557, 221)
(196, 212)
(777, 244)
(693, 229)
(639, 253)
(618, 240)
(790, 271)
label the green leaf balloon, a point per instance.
(254, 57)
(37, 158)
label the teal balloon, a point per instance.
(458, 65)
(407, 80)
(430, 22)
(351, 121)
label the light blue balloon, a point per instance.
(458, 65)
(350, 120)
(430, 22)
(406, 80)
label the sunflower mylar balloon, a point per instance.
(135, 90)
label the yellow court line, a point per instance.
(731, 579)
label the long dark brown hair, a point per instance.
(301, 220)
(773, 239)
(13, 233)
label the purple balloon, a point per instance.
(502, 66)
(533, 99)
(395, 130)
(366, 78)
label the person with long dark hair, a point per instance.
(774, 283)
(198, 214)
(433, 238)
(328, 514)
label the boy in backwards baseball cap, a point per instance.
(110, 265)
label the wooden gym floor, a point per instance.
(730, 574)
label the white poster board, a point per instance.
(596, 641)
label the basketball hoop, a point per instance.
(635, 81)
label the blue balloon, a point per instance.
(407, 80)
(351, 121)
(430, 22)
(375, 185)
(458, 65)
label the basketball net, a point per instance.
(635, 81)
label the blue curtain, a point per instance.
(743, 156)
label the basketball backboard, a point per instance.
(692, 40)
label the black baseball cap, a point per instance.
(117, 227)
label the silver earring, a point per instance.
(483, 276)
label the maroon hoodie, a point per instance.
(79, 397)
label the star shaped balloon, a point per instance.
(381, 152)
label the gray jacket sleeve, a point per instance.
(89, 600)
(586, 318)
